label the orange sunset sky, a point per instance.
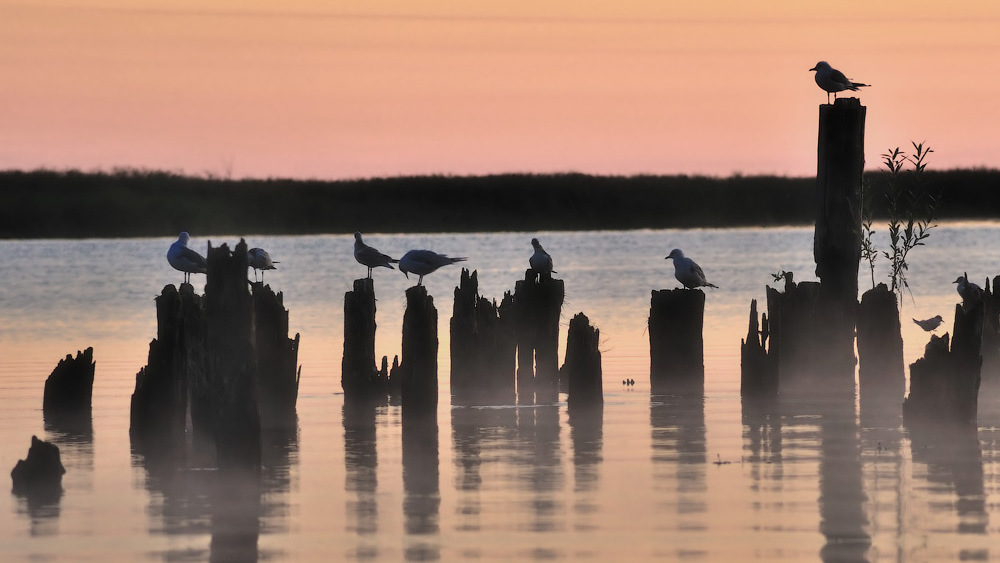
(346, 89)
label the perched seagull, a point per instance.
(259, 259)
(687, 272)
(423, 262)
(929, 324)
(370, 257)
(540, 261)
(186, 260)
(970, 292)
(833, 81)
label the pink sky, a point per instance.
(317, 89)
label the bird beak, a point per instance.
(813, 68)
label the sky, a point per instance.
(355, 89)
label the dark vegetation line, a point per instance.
(139, 203)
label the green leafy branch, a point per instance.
(911, 209)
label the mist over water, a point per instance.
(665, 476)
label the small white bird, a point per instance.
(423, 262)
(259, 259)
(930, 324)
(970, 292)
(833, 81)
(186, 260)
(540, 261)
(370, 257)
(687, 271)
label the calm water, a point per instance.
(675, 478)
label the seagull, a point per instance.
(186, 260)
(687, 272)
(930, 324)
(540, 261)
(423, 262)
(970, 292)
(259, 259)
(369, 256)
(833, 81)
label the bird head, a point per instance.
(535, 244)
(357, 236)
(822, 65)
(675, 254)
(184, 238)
(403, 269)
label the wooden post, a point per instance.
(944, 384)
(66, 403)
(582, 369)
(880, 349)
(232, 365)
(159, 402)
(277, 359)
(538, 304)
(676, 345)
(758, 372)
(359, 378)
(418, 366)
(837, 241)
(482, 342)
(991, 334)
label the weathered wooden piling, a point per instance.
(758, 371)
(70, 386)
(582, 369)
(160, 400)
(944, 384)
(277, 359)
(676, 344)
(803, 327)
(417, 370)
(991, 336)
(841, 161)
(40, 473)
(232, 365)
(537, 306)
(880, 348)
(482, 342)
(359, 377)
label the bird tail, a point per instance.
(711, 285)
(453, 260)
(856, 85)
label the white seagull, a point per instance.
(368, 256)
(970, 292)
(423, 262)
(186, 260)
(929, 324)
(259, 259)
(687, 271)
(833, 81)
(540, 261)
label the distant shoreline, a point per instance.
(143, 203)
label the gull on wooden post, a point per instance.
(184, 259)
(259, 259)
(369, 256)
(930, 324)
(970, 292)
(423, 262)
(833, 81)
(687, 271)
(540, 261)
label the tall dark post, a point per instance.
(359, 377)
(232, 364)
(880, 350)
(538, 304)
(418, 367)
(837, 242)
(676, 344)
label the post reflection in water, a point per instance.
(586, 431)
(421, 488)
(189, 497)
(361, 476)
(679, 463)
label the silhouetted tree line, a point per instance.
(136, 203)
